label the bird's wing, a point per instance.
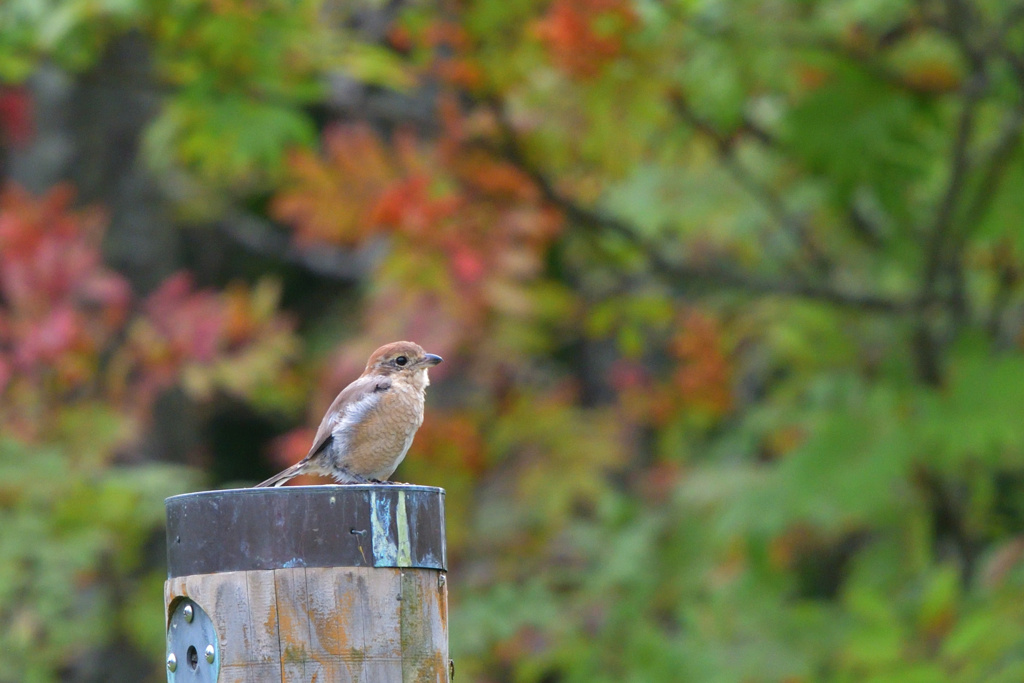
(349, 408)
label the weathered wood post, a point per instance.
(307, 583)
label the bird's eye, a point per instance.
(401, 360)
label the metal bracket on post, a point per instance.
(193, 653)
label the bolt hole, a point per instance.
(193, 657)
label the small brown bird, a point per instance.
(370, 426)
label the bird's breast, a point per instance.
(373, 445)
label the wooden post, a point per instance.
(307, 583)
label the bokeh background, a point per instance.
(729, 292)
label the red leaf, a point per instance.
(5, 372)
(570, 32)
(16, 115)
(193, 322)
(467, 264)
(47, 339)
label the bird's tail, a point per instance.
(282, 477)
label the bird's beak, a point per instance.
(431, 359)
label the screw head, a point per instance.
(441, 580)
(210, 654)
(188, 613)
(172, 663)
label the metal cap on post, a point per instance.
(304, 583)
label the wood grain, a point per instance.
(325, 624)
(424, 626)
(243, 608)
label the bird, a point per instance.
(370, 425)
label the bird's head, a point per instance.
(401, 358)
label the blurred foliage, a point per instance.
(729, 293)
(235, 77)
(82, 361)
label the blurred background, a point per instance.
(729, 293)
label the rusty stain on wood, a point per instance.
(359, 624)
(243, 608)
(424, 642)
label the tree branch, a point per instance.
(941, 253)
(687, 273)
(996, 166)
(795, 228)
(1015, 62)
(954, 187)
(1007, 279)
(949, 517)
(960, 20)
(259, 236)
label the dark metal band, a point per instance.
(306, 526)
